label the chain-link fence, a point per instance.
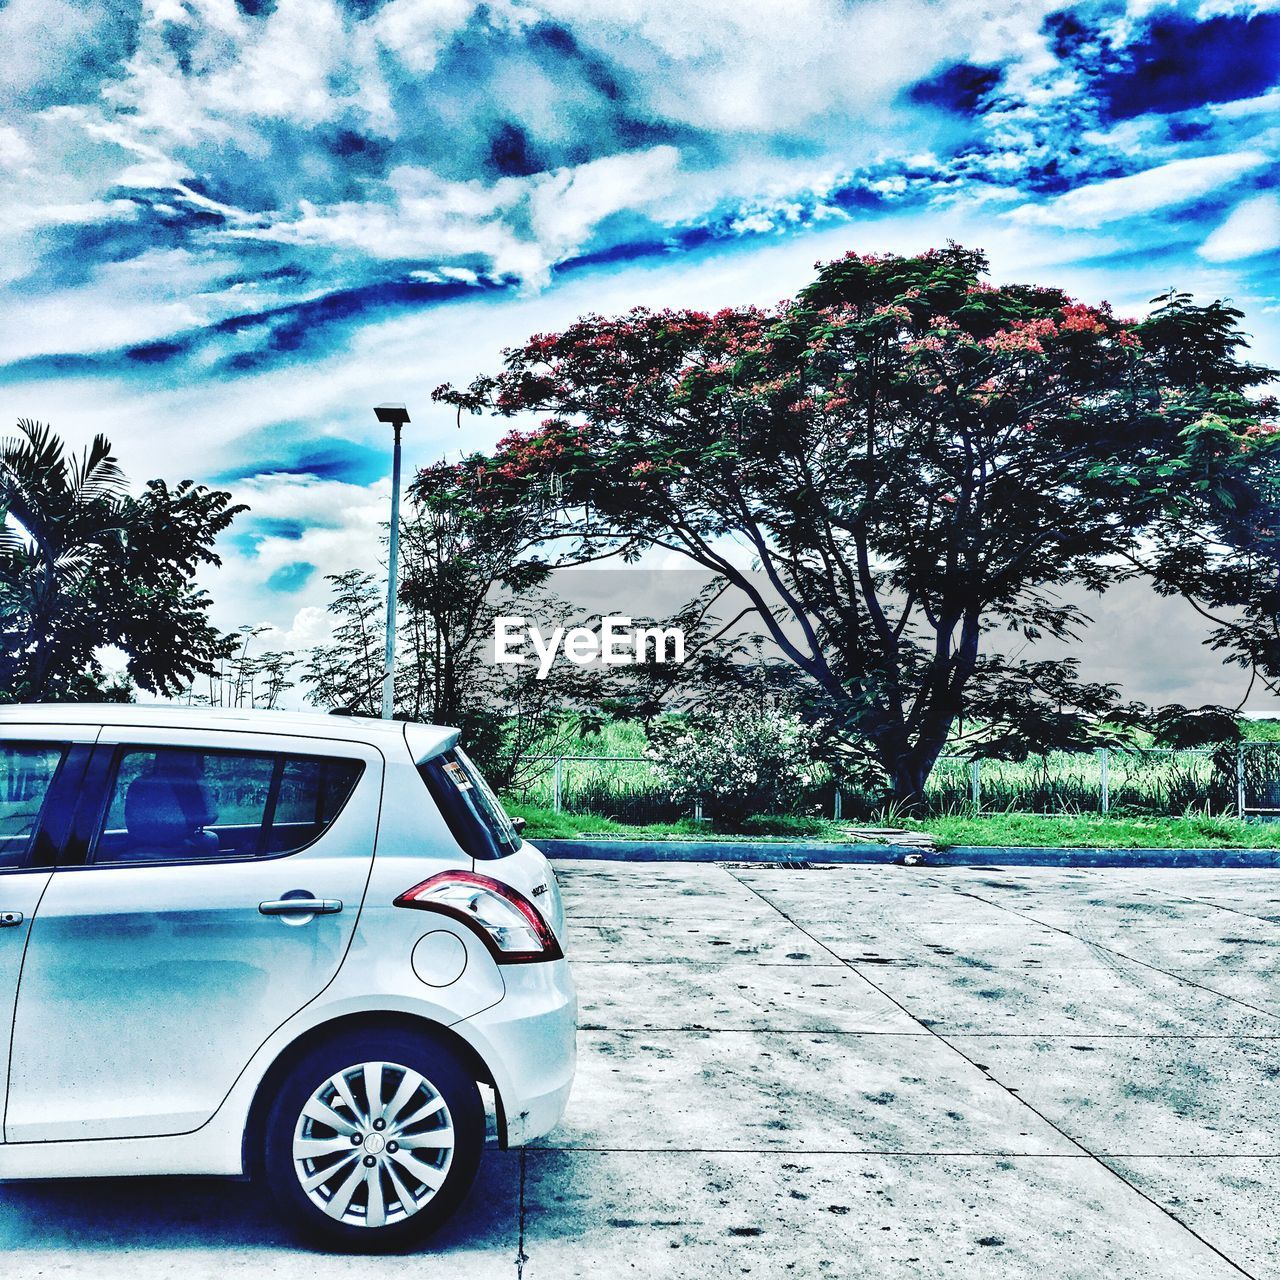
(620, 787)
(1121, 780)
(1243, 778)
(1258, 779)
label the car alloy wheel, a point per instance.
(373, 1138)
(373, 1144)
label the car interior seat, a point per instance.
(167, 809)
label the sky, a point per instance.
(228, 228)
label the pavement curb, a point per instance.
(959, 856)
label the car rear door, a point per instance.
(219, 881)
(38, 780)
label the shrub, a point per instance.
(746, 759)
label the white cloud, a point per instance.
(340, 528)
(430, 218)
(749, 67)
(312, 499)
(565, 206)
(1252, 227)
(311, 626)
(1165, 186)
(44, 36)
(1265, 104)
(417, 32)
(15, 151)
(285, 68)
(329, 549)
(153, 296)
(251, 107)
(43, 216)
(242, 120)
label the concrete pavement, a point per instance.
(846, 1071)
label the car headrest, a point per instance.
(168, 803)
(154, 814)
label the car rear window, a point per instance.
(475, 815)
(175, 804)
(26, 772)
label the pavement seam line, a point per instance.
(959, 1035)
(1102, 946)
(1218, 906)
(521, 1256)
(1082, 1154)
(1162, 1209)
(828, 1151)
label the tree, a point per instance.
(245, 679)
(465, 562)
(460, 569)
(1227, 566)
(460, 561)
(346, 674)
(914, 458)
(84, 564)
(455, 560)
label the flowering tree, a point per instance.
(913, 458)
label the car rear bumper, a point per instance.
(529, 1042)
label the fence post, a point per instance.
(559, 791)
(975, 783)
(1104, 777)
(837, 811)
(1240, 780)
(697, 809)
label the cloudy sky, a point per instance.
(229, 227)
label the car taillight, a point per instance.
(506, 921)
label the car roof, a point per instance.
(424, 740)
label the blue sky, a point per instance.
(229, 227)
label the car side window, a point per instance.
(175, 804)
(26, 772)
(312, 791)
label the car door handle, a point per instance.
(301, 907)
(8, 919)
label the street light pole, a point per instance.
(397, 415)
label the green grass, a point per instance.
(625, 797)
(1089, 831)
(546, 824)
(549, 825)
(1083, 831)
(616, 738)
(1262, 730)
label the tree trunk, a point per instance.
(907, 783)
(909, 771)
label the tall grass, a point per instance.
(1143, 782)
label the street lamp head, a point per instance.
(396, 414)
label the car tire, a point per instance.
(380, 1177)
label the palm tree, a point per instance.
(84, 564)
(59, 515)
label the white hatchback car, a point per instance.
(289, 946)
